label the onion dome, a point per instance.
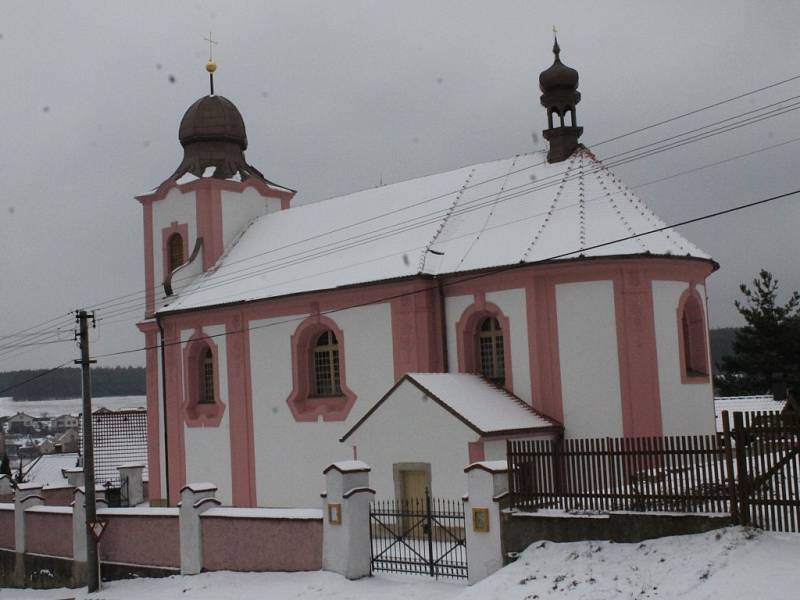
(558, 76)
(212, 134)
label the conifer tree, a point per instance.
(767, 345)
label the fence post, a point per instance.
(196, 498)
(28, 495)
(740, 437)
(79, 524)
(727, 439)
(131, 482)
(74, 476)
(487, 486)
(345, 520)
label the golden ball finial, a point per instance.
(211, 66)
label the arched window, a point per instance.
(692, 335)
(491, 356)
(206, 371)
(175, 252)
(326, 365)
(203, 404)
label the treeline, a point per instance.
(66, 383)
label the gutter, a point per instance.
(164, 405)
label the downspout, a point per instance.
(443, 324)
(164, 405)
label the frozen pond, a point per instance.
(37, 408)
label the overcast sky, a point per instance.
(338, 96)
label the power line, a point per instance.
(671, 119)
(432, 217)
(492, 271)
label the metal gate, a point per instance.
(767, 455)
(424, 536)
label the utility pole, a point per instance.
(92, 562)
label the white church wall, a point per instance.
(514, 306)
(409, 427)
(686, 408)
(587, 339)
(207, 449)
(454, 307)
(238, 209)
(290, 455)
(181, 208)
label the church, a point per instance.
(415, 326)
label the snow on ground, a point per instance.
(732, 563)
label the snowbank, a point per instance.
(732, 563)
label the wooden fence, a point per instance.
(686, 474)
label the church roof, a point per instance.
(500, 213)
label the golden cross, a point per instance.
(555, 31)
(211, 43)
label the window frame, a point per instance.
(196, 411)
(467, 332)
(305, 404)
(693, 338)
(182, 229)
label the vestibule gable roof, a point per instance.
(500, 213)
(480, 405)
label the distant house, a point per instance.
(20, 423)
(69, 440)
(64, 422)
(47, 446)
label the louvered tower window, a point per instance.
(206, 377)
(175, 251)
(326, 366)
(491, 360)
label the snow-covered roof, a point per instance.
(48, 469)
(482, 406)
(505, 212)
(764, 403)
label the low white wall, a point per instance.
(587, 339)
(411, 428)
(290, 454)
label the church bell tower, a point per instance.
(560, 95)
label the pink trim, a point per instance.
(543, 348)
(304, 407)
(194, 413)
(638, 358)
(700, 344)
(243, 477)
(174, 411)
(181, 229)
(264, 189)
(476, 451)
(150, 330)
(467, 331)
(209, 223)
(416, 331)
(149, 260)
(243, 544)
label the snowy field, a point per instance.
(53, 408)
(733, 563)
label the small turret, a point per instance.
(560, 95)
